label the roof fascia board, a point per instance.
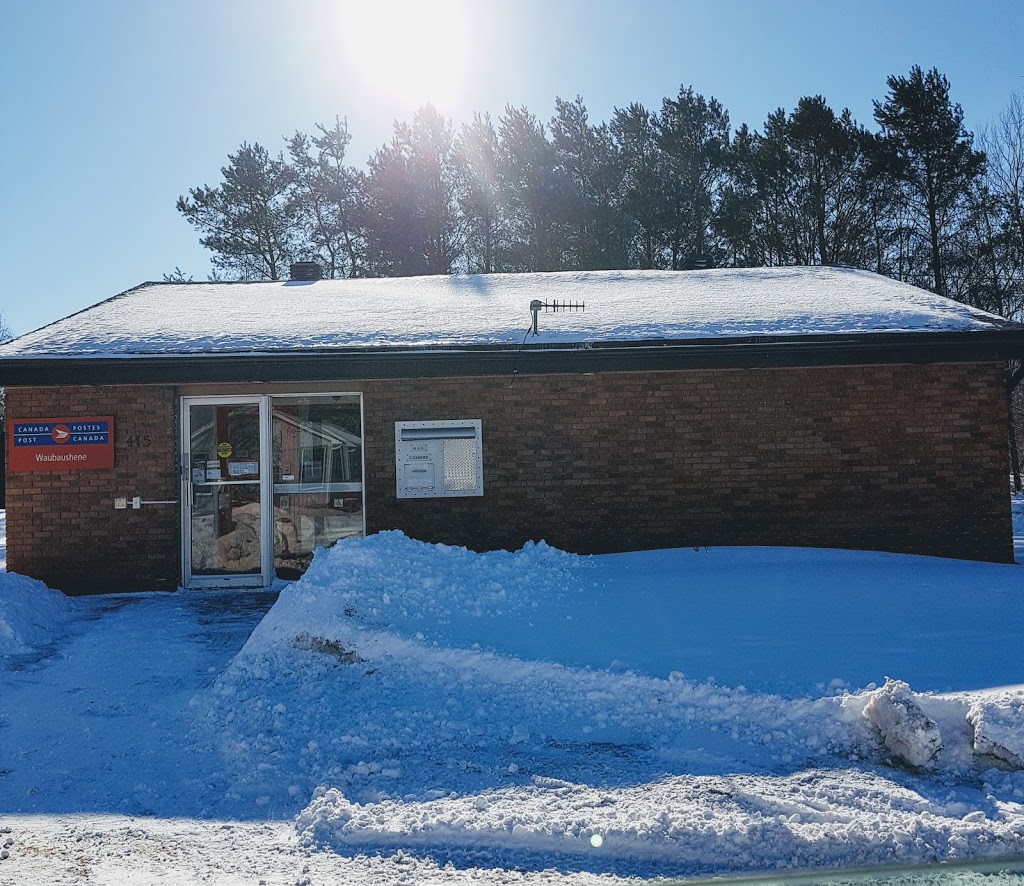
(782, 351)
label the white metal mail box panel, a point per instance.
(438, 459)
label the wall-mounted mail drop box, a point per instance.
(438, 459)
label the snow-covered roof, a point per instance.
(467, 311)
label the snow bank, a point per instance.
(787, 621)
(697, 825)
(389, 673)
(997, 721)
(910, 735)
(409, 706)
(380, 670)
(30, 613)
(392, 582)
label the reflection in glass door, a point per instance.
(224, 515)
(317, 476)
(267, 480)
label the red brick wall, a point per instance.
(62, 527)
(896, 458)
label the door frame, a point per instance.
(266, 577)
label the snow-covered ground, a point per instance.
(417, 713)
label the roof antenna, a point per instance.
(554, 307)
(536, 306)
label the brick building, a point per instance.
(213, 435)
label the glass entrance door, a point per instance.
(266, 480)
(225, 466)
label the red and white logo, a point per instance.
(60, 434)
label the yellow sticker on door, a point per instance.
(224, 450)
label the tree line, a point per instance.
(916, 198)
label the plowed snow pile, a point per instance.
(531, 708)
(30, 613)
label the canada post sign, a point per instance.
(60, 444)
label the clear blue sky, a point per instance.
(111, 109)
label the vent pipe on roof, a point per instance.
(306, 270)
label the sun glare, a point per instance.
(411, 50)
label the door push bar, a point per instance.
(137, 502)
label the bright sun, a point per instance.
(411, 50)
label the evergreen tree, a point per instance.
(394, 240)
(693, 134)
(665, 190)
(437, 177)
(888, 210)
(326, 200)
(928, 150)
(784, 242)
(530, 189)
(810, 186)
(830, 166)
(246, 221)
(177, 276)
(640, 193)
(413, 220)
(739, 217)
(480, 195)
(590, 179)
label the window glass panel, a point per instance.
(225, 513)
(226, 529)
(317, 475)
(224, 442)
